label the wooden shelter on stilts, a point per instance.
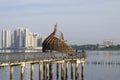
(56, 43)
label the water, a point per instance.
(100, 65)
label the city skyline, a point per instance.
(82, 22)
(21, 38)
(12, 39)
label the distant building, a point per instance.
(31, 39)
(27, 39)
(12, 39)
(17, 38)
(5, 39)
(40, 40)
(108, 43)
(101, 46)
(21, 38)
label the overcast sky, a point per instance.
(81, 21)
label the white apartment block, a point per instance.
(5, 39)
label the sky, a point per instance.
(81, 21)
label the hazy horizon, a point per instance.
(81, 21)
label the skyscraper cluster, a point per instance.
(21, 38)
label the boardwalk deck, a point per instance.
(18, 58)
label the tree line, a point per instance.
(96, 47)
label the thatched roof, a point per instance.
(55, 43)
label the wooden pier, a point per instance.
(45, 62)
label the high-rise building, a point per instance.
(21, 37)
(17, 38)
(5, 38)
(37, 39)
(27, 37)
(12, 40)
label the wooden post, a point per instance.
(32, 72)
(57, 71)
(50, 71)
(62, 71)
(11, 72)
(82, 71)
(67, 71)
(40, 71)
(76, 72)
(46, 66)
(44, 71)
(22, 72)
(71, 71)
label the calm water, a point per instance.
(100, 65)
